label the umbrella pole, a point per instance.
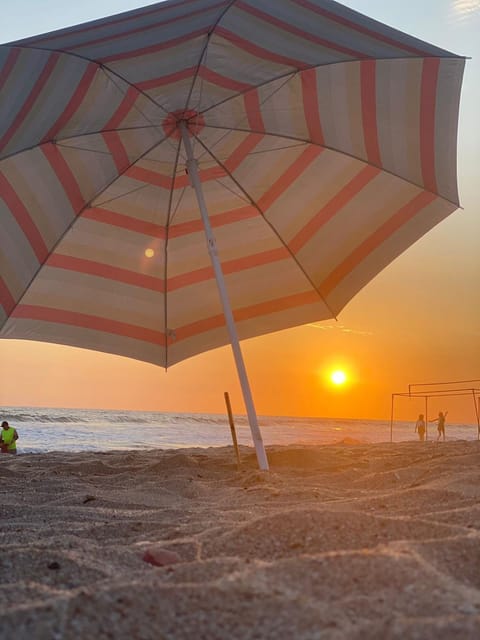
(227, 311)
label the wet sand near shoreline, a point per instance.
(336, 541)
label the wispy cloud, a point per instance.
(466, 9)
(339, 327)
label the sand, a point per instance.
(344, 541)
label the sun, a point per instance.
(338, 377)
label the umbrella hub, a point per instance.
(193, 120)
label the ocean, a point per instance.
(52, 429)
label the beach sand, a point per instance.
(343, 541)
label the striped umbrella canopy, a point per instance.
(320, 145)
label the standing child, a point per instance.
(441, 424)
(420, 427)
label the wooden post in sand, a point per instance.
(426, 417)
(391, 419)
(232, 427)
(477, 412)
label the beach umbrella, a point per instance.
(197, 172)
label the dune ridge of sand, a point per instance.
(337, 541)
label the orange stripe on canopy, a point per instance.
(403, 215)
(427, 122)
(87, 321)
(6, 299)
(326, 213)
(33, 96)
(24, 220)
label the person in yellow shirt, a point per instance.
(8, 438)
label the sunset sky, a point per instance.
(418, 321)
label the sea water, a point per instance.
(46, 429)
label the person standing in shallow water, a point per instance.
(420, 427)
(8, 438)
(441, 424)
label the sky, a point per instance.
(418, 321)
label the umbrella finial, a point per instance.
(193, 120)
